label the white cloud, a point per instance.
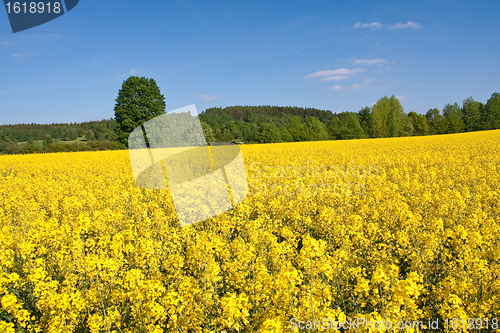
(354, 86)
(5, 43)
(370, 80)
(20, 55)
(418, 84)
(408, 24)
(378, 25)
(340, 71)
(402, 98)
(131, 72)
(335, 78)
(205, 98)
(373, 25)
(369, 61)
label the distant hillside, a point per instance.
(265, 124)
(27, 132)
(32, 138)
(246, 113)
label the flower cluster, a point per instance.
(83, 249)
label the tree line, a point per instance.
(140, 100)
(386, 118)
(35, 138)
(96, 130)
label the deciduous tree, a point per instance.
(138, 101)
(492, 112)
(471, 111)
(453, 115)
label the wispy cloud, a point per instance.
(131, 72)
(403, 98)
(335, 74)
(5, 43)
(373, 25)
(21, 55)
(367, 84)
(294, 51)
(378, 25)
(418, 84)
(406, 25)
(353, 87)
(369, 61)
(335, 78)
(205, 98)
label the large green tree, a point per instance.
(491, 114)
(365, 120)
(317, 129)
(345, 126)
(472, 111)
(138, 101)
(438, 125)
(388, 118)
(298, 130)
(268, 133)
(420, 123)
(453, 115)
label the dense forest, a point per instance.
(264, 124)
(267, 124)
(33, 138)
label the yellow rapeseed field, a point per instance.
(373, 231)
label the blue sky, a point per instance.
(338, 56)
